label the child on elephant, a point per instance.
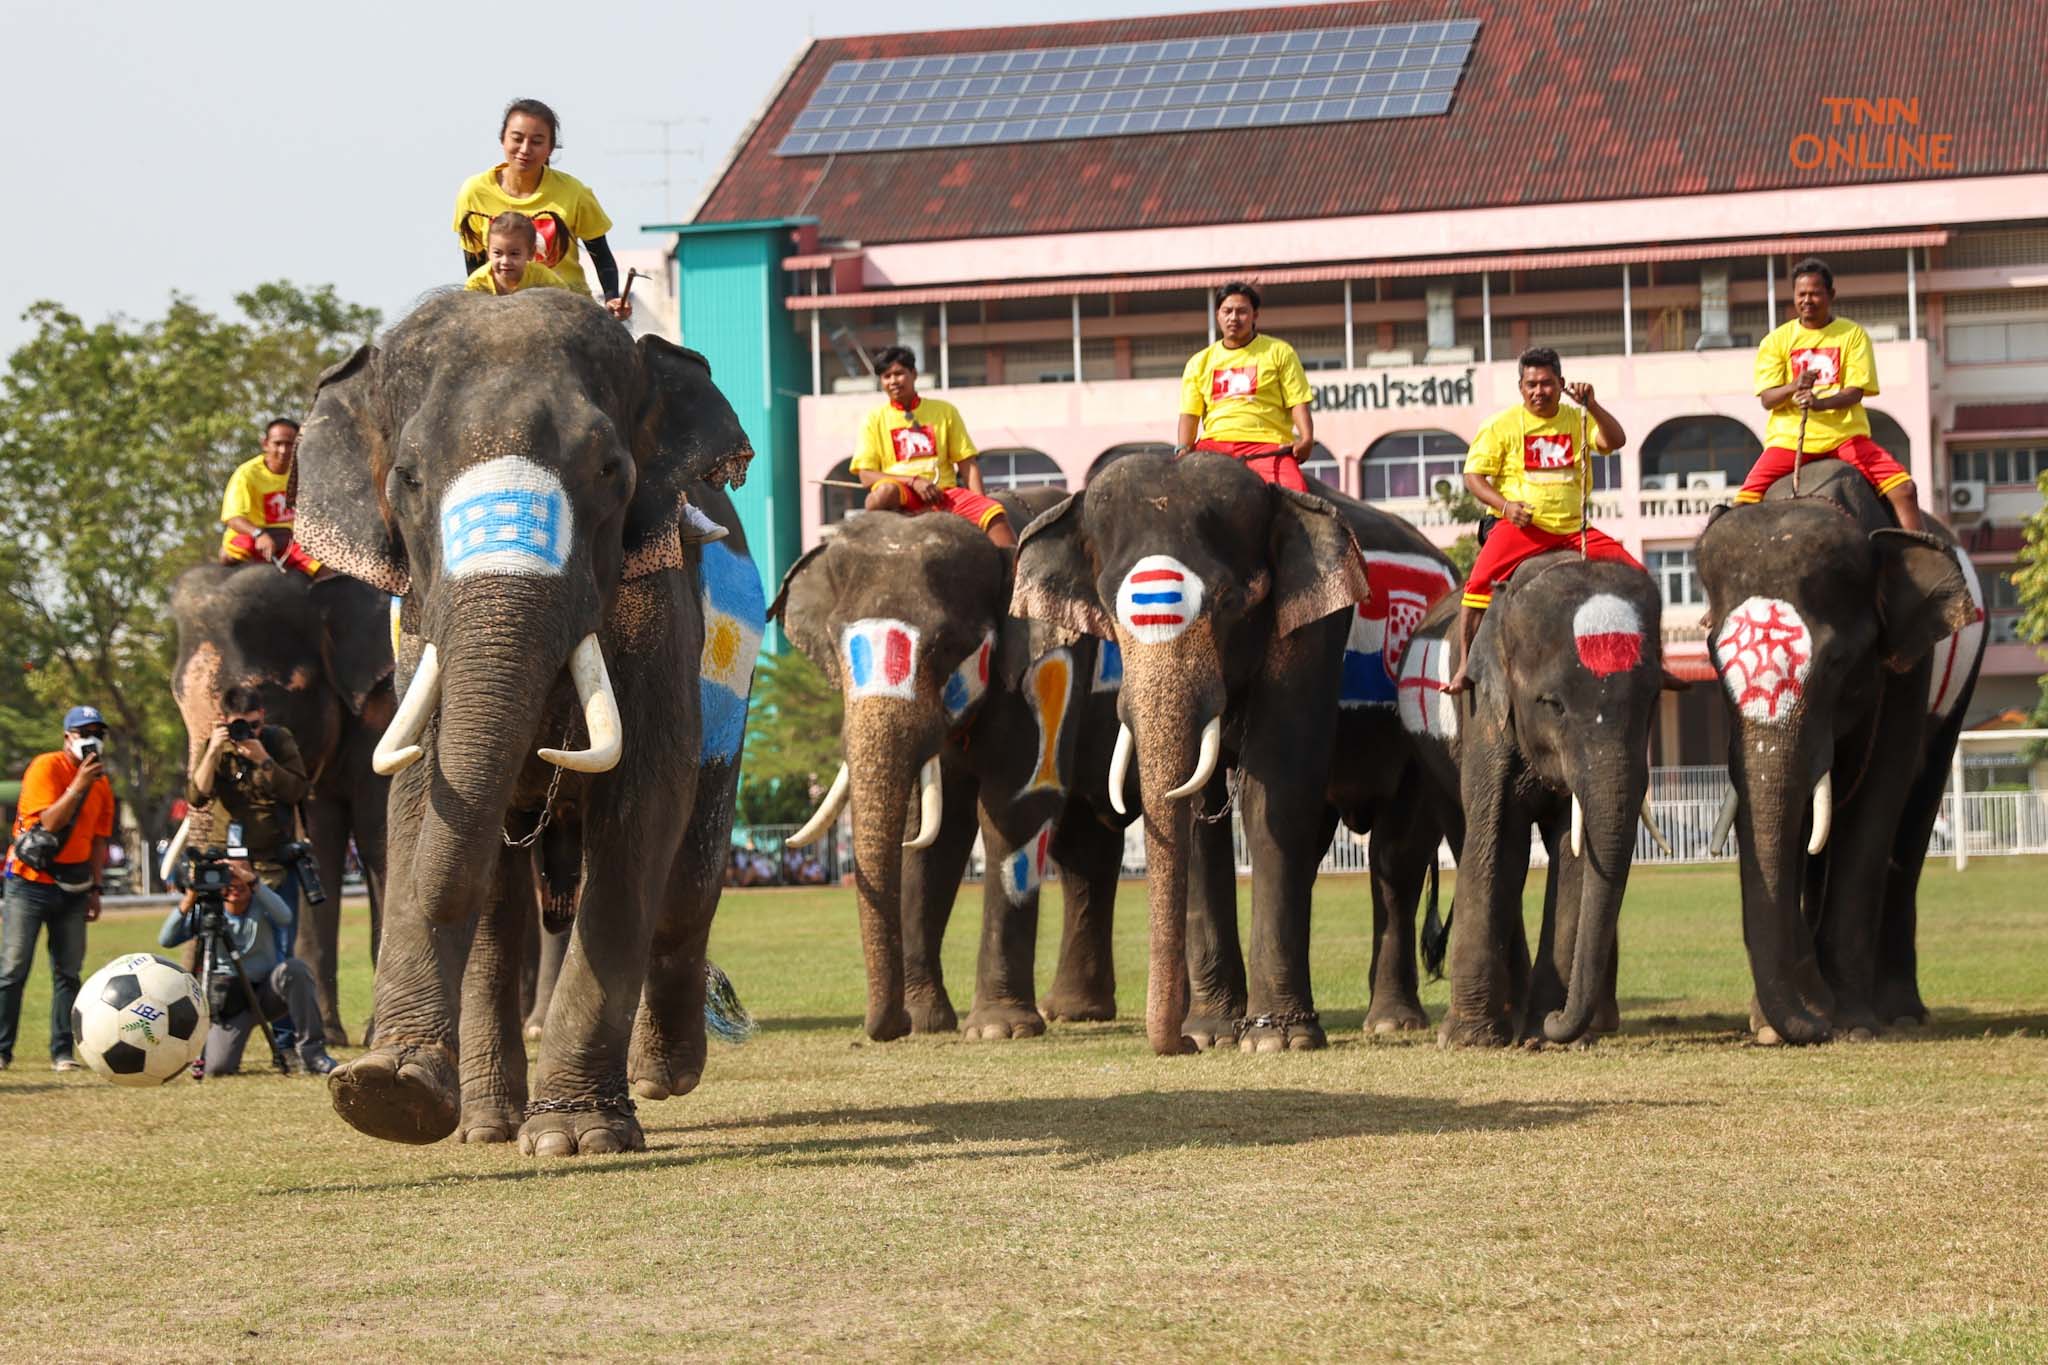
(913, 453)
(509, 265)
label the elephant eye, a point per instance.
(408, 478)
(609, 469)
(1550, 702)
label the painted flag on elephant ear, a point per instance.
(1404, 588)
(735, 614)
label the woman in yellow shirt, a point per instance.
(566, 215)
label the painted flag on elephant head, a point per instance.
(1404, 588)
(1608, 633)
(881, 658)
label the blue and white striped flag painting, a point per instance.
(505, 516)
(735, 614)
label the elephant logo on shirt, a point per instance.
(1546, 452)
(1824, 363)
(277, 511)
(914, 443)
(1238, 381)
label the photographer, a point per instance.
(256, 774)
(283, 986)
(54, 861)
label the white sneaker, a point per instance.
(697, 528)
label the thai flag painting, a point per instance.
(735, 614)
(881, 658)
(1404, 588)
(1159, 598)
(965, 684)
(1024, 870)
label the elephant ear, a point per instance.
(803, 604)
(355, 639)
(1056, 576)
(1317, 565)
(1923, 597)
(1492, 695)
(688, 432)
(340, 512)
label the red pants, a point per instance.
(961, 502)
(1507, 545)
(1871, 459)
(1274, 464)
(242, 550)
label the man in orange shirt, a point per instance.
(66, 793)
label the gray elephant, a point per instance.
(1848, 650)
(321, 654)
(948, 699)
(1566, 672)
(516, 468)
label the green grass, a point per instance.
(1670, 1194)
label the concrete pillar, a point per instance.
(1443, 320)
(1714, 302)
(910, 333)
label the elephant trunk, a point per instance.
(1605, 828)
(887, 742)
(1772, 775)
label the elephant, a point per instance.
(516, 469)
(1566, 675)
(1848, 650)
(321, 654)
(1230, 600)
(950, 698)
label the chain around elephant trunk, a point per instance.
(547, 809)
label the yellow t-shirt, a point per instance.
(256, 493)
(1536, 461)
(563, 209)
(1244, 395)
(924, 443)
(537, 276)
(1840, 353)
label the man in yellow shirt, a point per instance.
(913, 452)
(1812, 375)
(509, 259)
(1246, 395)
(257, 509)
(1526, 466)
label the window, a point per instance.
(1891, 436)
(1997, 343)
(1019, 467)
(1412, 464)
(1115, 453)
(1677, 582)
(2000, 594)
(1686, 446)
(2019, 466)
(1321, 464)
(835, 503)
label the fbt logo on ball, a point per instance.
(1160, 596)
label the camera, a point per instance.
(87, 747)
(298, 854)
(241, 731)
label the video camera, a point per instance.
(299, 854)
(209, 875)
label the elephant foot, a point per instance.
(996, 1023)
(887, 1025)
(405, 1092)
(1766, 1036)
(1901, 1004)
(1282, 1031)
(931, 1013)
(1606, 1018)
(532, 1032)
(666, 1059)
(1473, 1030)
(1078, 1005)
(1402, 1014)
(492, 1121)
(1210, 1030)
(337, 1036)
(581, 1132)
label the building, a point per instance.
(1420, 188)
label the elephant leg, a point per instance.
(1015, 854)
(1557, 935)
(1288, 829)
(1489, 946)
(1404, 843)
(550, 949)
(493, 1061)
(1859, 855)
(319, 934)
(1898, 965)
(931, 883)
(1090, 857)
(1215, 958)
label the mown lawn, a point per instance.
(1670, 1194)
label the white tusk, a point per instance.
(1823, 812)
(174, 850)
(928, 813)
(1656, 835)
(1120, 769)
(1205, 761)
(1724, 824)
(399, 748)
(600, 713)
(1578, 828)
(828, 811)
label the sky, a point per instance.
(207, 148)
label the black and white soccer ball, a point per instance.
(139, 1020)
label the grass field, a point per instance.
(1672, 1193)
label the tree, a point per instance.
(116, 440)
(2030, 578)
(792, 740)
(1463, 507)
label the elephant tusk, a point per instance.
(1656, 835)
(1724, 824)
(1578, 827)
(174, 850)
(1120, 769)
(1823, 812)
(828, 811)
(928, 812)
(1205, 761)
(399, 748)
(600, 713)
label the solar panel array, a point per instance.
(1252, 80)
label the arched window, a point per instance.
(1891, 436)
(1704, 444)
(1410, 464)
(835, 503)
(1321, 464)
(1115, 453)
(1019, 467)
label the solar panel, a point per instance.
(1249, 80)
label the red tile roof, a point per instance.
(1600, 99)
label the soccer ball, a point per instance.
(139, 1020)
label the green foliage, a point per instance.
(1464, 553)
(1463, 507)
(2030, 577)
(116, 440)
(792, 739)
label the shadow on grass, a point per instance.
(1083, 1131)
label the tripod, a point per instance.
(216, 942)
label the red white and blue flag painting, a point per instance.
(881, 658)
(1404, 588)
(1160, 596)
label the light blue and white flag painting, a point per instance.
(505, 516)
(735, 614)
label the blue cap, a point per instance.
(79, 717)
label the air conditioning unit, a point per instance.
(1388, 359)
(1667, 482)
(1966, 496)
(1882, 331)
(1707, 481)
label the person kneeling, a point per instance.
(914, 451)
(283, 987)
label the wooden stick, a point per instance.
(1585, 482)
(841, 483)
(1799, 455)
